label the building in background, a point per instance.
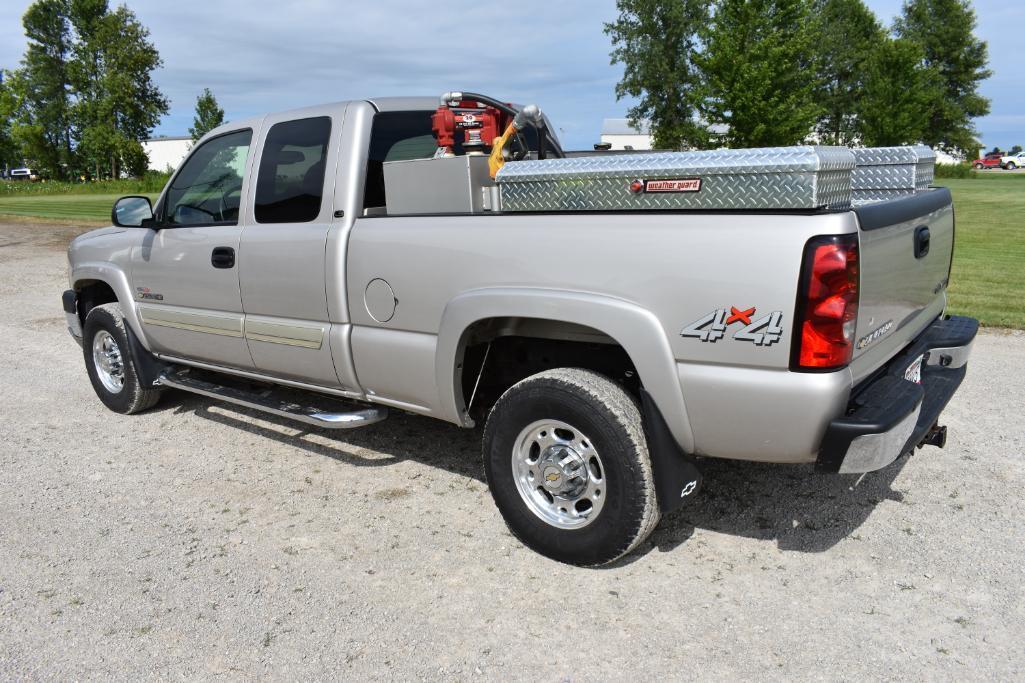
(621, 135)
(166, 152)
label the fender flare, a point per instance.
(117, 280)
(634, 328)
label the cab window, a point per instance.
(208, 189)
(290, 184)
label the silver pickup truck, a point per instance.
(610, 320)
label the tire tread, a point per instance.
(623, 411)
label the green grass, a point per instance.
(90, 208)
(988, 279)
(152, 182)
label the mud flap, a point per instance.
(677, 478)
(147, 366)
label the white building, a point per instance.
(621, 135)
(166, 152)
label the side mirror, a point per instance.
(131, 212)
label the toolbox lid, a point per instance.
(887, 156)
(764, 160)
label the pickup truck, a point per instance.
(605, 353)
(1012, 161)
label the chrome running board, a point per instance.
(266, 402)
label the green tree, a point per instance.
(43, 128)
(87, 69)
(1015, 150)
(759, 67)
(208, 115)
(848, 34)
(655, 41)
(899, 94)
(118, 103)
(8, 148)
(945, 31)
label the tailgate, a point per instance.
(906, 247)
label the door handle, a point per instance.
(922, 239)
(223, 257)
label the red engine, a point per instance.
(478, 125)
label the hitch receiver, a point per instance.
(936, 436)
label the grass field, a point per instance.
(88, 208)
(988, 281)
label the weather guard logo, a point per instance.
(666, 186)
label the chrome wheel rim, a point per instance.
(559, 474)
(107, 360)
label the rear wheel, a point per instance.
(567, 463)
(109, 361)
(1011, 165)
(980, 166)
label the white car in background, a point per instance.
(1013, 161)
(29, 174)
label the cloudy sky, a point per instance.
(259, 55)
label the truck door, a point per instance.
(185, 276)
(283, 279)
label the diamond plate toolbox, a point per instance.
(887, 172)
(766, 178)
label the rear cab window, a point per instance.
(403, 136)
(290, 182)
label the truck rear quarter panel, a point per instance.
(680, 267)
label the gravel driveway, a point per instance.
(201, 541)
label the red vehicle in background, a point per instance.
(991, 160)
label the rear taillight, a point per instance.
(827, 303)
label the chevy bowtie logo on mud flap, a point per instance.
(764, 331)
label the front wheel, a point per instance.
(567, 463)
(1011, 165)
(109, 362)
(980, 166)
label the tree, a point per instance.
(1015, 150)
(655, 41)
(8, 148)
(759, 67)
(118, 104)
(847, 35)
(899, 94)
(944, 29)
(43, 127)
(208, 115)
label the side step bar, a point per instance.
(267, 403)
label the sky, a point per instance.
(259, 56)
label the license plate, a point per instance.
(914, 371)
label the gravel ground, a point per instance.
(200, 541)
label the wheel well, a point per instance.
(499, 352)
(93, 293)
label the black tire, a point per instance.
(132, 397)
(1011, 166)
(980, 166)
(611, 419)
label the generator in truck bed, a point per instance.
(609, 321)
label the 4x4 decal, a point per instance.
(764, 331)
